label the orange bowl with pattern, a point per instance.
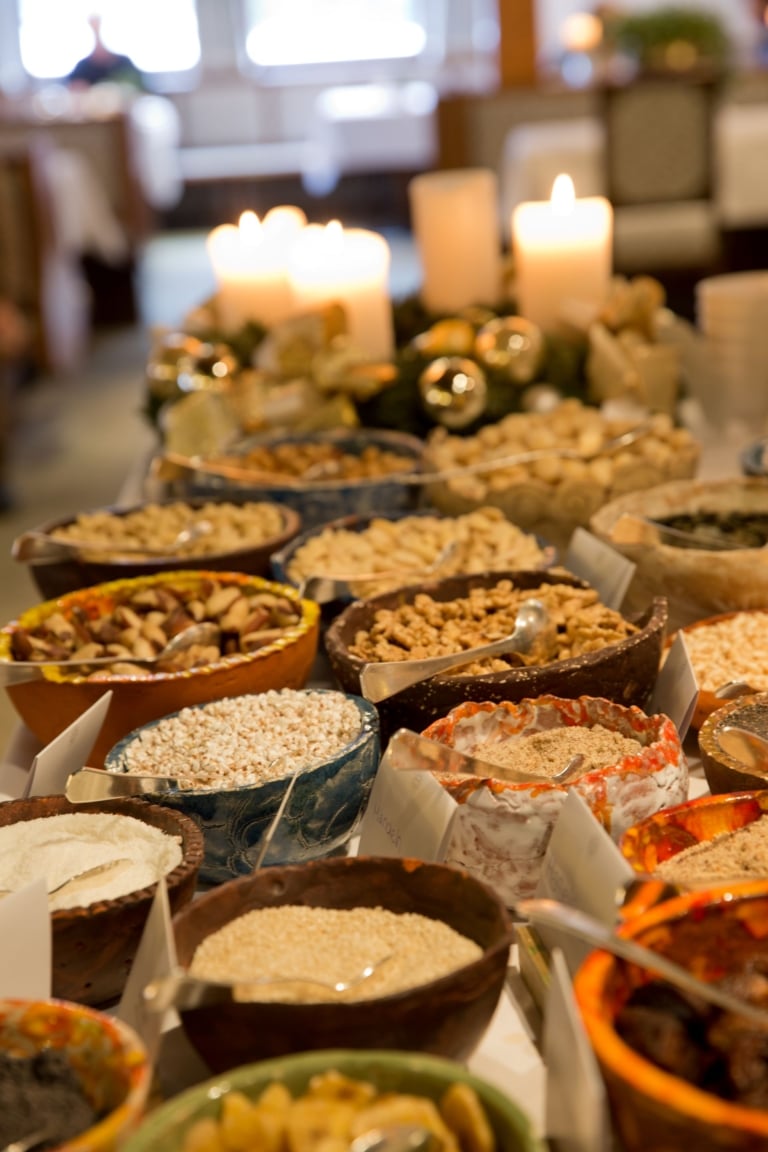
(50, 703)
(109, 1062)
(501, 829)
(718, 935)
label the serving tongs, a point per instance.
(90, 785)
(411, 752)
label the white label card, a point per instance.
(584, 868)
(576, 1107)
(609, 573)
(155, 958)
(677, 688)
(25, 964)
(68, 752)
(409, 813)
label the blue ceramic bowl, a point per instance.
(324, 807)
(319, 500)
(388, 1071)
(754, 458)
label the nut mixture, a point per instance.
(429, 627)
(216, 527)
(317, 461)
(139, 624)
(401, 549)
(245, 740)
(732, 649)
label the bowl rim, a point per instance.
(192, 845)
(185, 1105)
(628, 843)
(369, 726)
(290, 526)
(309, 620)
(707, 702)
(490, 953)
(623, 1061)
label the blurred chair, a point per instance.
(658, 172)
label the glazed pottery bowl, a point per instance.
(323, 498)
(94, 944)
(445, 1016)
(701, 581)
(411, 1073)
(724, 770)
(715, 934)
(329, 794)
(55, 698)
(234, 536)
(624, 672)
(108, 1063)
(729, 648)
(501, 828)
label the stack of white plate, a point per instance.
(732, 314)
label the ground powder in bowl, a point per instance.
(546, 752)
(330, 945)
(55, 848)
(741, 854)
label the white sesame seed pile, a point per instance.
(245, 739)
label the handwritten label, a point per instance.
(68, 752)
(677, 689)
(609, 573)
(155, 958)
(409, 813)
(25, 967)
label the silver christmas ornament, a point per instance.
(511, 345)
(453, 391)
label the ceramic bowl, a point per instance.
(713, 934)
(660, 838)
(446, 1017)
(318, 501)
(724, 771)
(93, 947)
(731, 647)
(323, 809)
(49, 704)
(624, 672)
(698, 582)
(501, 829)
(388, 1071)
(55, 576)
(109, 1061)
(754, 458)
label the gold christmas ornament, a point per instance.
(182, 363)
(512, 345)
(452, 337)
(453, 391)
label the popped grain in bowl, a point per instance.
(243, 740)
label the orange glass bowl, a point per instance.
(108, 1058)
(501, 829)
(651, 1108)
(51, 703)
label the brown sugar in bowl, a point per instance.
(94, 946)
(50, 703)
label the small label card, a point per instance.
(576, 1107)
(677, 689)
(68, 752)
(609, 573)
(25, 966)
(584, 868)
(409, 813)
(155, 958)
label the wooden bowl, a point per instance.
(94, 946)
(408, 1073)
(712, 933)
(51, 703)
(724, 772)
(446, 1017)
(624, 672)
(56, 577)
(107, 1057)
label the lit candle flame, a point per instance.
(563, 195)
(250, 227)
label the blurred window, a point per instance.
(159, 36)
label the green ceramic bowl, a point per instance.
(387, 1070)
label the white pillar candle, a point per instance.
(562, 250)
(455, 220)
(250, 263)
(351, 267)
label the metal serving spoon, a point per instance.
(410, 752)
(35, 547)
(379, 680)
(552, 914)
(397, 1138)
(19, 671)
(183, 991)
(744, 745)
(32, 1140)
(88, 785)
(86, 874)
